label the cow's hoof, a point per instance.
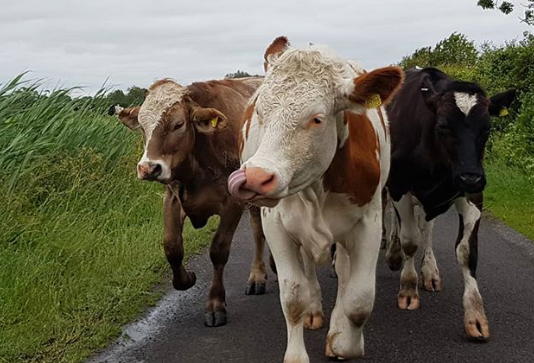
(336, 351)
(215, 319)
(477, 330)
(408, 301)
(431, 283)
(394, 261)
(314, 321)
(255, 288)
(184, 283)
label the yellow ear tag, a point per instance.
(214, 122)
(374, 101)
(503, 112)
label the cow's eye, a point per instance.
(443, 128)
(317, 121)
(177, 126)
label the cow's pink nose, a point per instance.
(259, 181)
(148, 170)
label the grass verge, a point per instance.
(80, 236)
(78, 260)
(510, 197)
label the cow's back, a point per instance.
(415, 158)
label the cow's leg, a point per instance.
(409, 238)
(475, 321)
(356, 290)
(385, 203)
(294, 291)
(314, 317)
(173, 221)
(258, 277)
(429, 269)
(393, 246)
(215, 312)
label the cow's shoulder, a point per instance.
(355, 169)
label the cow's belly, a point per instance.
(314, 221)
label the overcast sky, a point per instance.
(82, 43)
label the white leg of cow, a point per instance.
(429, 267)
(314, 318)
(356, 294)
(475, 321)
(338, 319)
(409, 238)
(294, 289)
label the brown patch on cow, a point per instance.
(278, 45)
(384, 82)
(129, 117)
(355, 169)
(160, 82)
(294, 311)
(359, 318)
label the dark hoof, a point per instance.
(215, 319)
(394, 263)
(185, 284)
(255, 288)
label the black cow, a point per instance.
(439, 128)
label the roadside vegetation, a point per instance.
(80, 236)
(510, 150)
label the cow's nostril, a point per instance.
(470, 178)
(156, 170)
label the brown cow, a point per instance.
(191, 145)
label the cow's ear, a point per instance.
(376, 88)
(429, 93)
(128, 116)
(277, 47)
(500, 102)
(208, 120)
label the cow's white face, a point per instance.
(297, 124)
(295, 116)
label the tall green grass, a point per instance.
(80, 237)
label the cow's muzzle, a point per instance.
(251, 183)
(471, 182)
(149, 170)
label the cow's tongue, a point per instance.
(235, 181)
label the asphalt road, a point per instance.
(174, 330)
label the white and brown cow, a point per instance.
(191, 145)
(315, 156)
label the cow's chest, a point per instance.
(315, 220)
(201, 202)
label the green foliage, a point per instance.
(506, 7)
(455, 50)
(134, 96)
(495, 68)
(509, 196)
(80, 236)
(239, 74)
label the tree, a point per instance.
(239, 74)
(456, 50)
(506, 7)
